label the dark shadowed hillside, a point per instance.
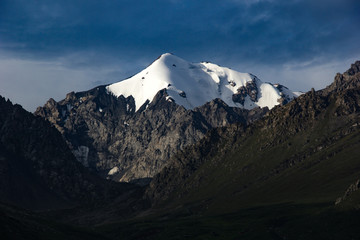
(38, 170)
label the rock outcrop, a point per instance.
(348, 80)
(250, 89)
(354, 187)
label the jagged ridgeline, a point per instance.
(127, 131)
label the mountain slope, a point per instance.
(38, 170)
(304, 152)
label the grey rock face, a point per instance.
(250, 89)
(284, 99)
(105, 132)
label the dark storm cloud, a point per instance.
(265, 31)
(283, 31)
(107, 25)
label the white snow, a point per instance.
(297, 94)
(201, 83)
(113, 171)
(268, 95)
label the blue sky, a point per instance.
(49, 48)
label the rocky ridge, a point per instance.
(110, 137)
(128, 130)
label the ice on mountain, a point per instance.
(202, 82)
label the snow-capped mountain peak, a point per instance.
(193, 84)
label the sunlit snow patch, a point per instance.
(193, 84)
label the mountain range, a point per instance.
(208, 158)
(128, 130)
